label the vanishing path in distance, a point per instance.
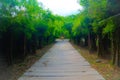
(61, 62)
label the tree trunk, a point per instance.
(92, 42)
(24, 46)
(11, 49)
(116, 47)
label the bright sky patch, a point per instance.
(62, 7)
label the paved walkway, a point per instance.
(61, 62)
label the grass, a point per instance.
(19, 68)
(105, 68)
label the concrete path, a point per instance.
(61, 62)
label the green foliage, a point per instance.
(89, 19)
(81, 25)
(109, 28)
(27, 17)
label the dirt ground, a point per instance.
(15, 71)
(104, 67)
